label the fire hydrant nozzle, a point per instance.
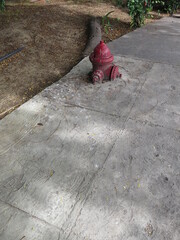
(102, 61)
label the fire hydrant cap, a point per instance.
(101, 54)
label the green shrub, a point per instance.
(2, 5)
(173, 5)
(169, 6)
(119, 3)
(137, 11)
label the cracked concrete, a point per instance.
(81, 161)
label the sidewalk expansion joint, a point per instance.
(30, 215)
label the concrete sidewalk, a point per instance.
(158, 42)
(100, 162)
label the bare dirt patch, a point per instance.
(54, 35)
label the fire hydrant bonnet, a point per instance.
(101, 54)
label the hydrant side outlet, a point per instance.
(103, 67)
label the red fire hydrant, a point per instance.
(103, 67)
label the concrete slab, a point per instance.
(158, 101)
(136, 195)
(147, 91)
(113, 98)
(80, 161)
(176, 15)
(50, 156)
(16, 224)
(158, 42)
